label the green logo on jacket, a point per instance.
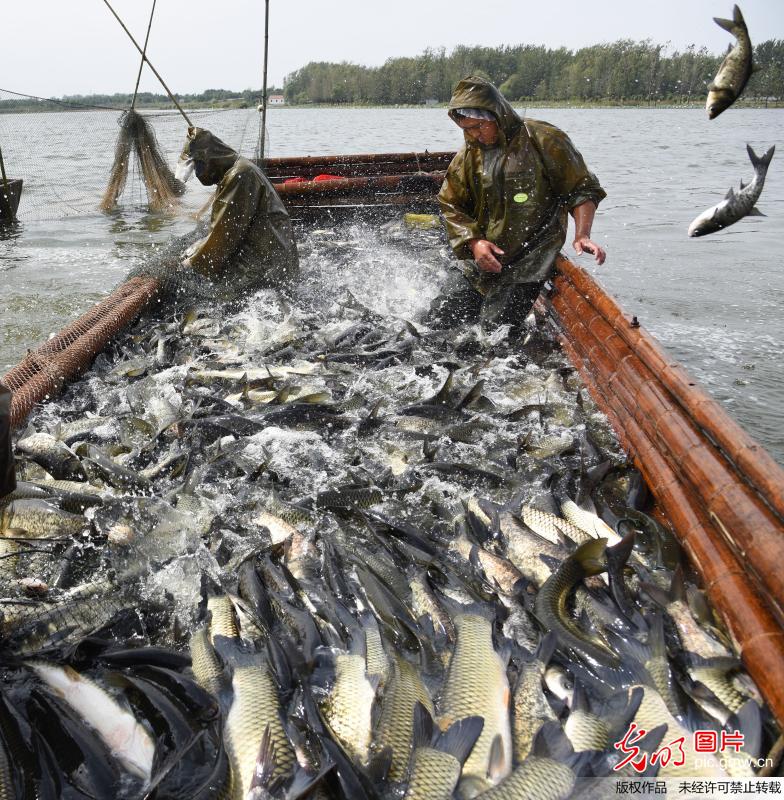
(522, 197)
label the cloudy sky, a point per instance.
(58, 47)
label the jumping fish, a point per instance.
(735, 205)
(736, 68)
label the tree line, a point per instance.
(620, 72)
(211, 98)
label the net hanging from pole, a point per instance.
(42, 138)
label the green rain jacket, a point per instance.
(7, 477)
(516, 193)
(250, 243)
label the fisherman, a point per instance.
(505, 201)
(7, 476)
(250, 242)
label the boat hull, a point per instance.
(10, 195)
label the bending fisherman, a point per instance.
(505, 200)
(250, 242)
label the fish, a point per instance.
(477, 685)
(530, 707)
(255, 708)
(127, 739)
(547, 774)
(588, 522)
(590, 729)
(736, 205)
(53, 455)
(438, 756)
(348, 704)
(736, 68)
(39, 519)
(550, 605)
(404, 691)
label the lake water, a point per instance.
(715, 303)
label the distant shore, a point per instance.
(34, 107)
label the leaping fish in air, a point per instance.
(736, 68)
(735, 205)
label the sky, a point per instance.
(53, 48)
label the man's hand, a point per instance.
(582, 244)
(485, 255)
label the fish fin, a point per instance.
(658, 595)
(619, 710)
(760, 161)
(730, 194)
(471, 395)
(728, 25)
(748, 719)
(550, 561)
(423, 727)
(265, 762)
(737, 17)
(617, 556)
(547, 644)
(678, 585)
(498, 764)
(551, 742)
(656, 643)
(305, 781)
(742, 184)
(592, 556)
(628, 646)
(378, 766)
(580, 699)
(459, 739)
(723, 663)
(755, 212)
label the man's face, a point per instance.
(484, 131)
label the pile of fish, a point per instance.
(313, 548)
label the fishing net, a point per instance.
(137, 136)
(42, 372)
(37, 137)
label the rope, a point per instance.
(144, 56)
(155, 71)
(62, 102)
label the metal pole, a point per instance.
(263, 131)
(155, 71)
(6, 187)
(144, 56)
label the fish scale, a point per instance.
(349, 705)
(255, 705)
(476, 684)
(433, 775)
(394, 728)
(535, 779)
(549, 526)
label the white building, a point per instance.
(276, 100)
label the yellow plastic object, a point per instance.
(422, 221)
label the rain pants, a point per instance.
(7, 476)
(250, 242)
(515, 193)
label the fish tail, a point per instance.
(735, 25)
(760, 161)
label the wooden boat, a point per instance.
(10, 194)
(718, 489)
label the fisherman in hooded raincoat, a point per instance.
(506, 199)
(250, 242)
(7, 477)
